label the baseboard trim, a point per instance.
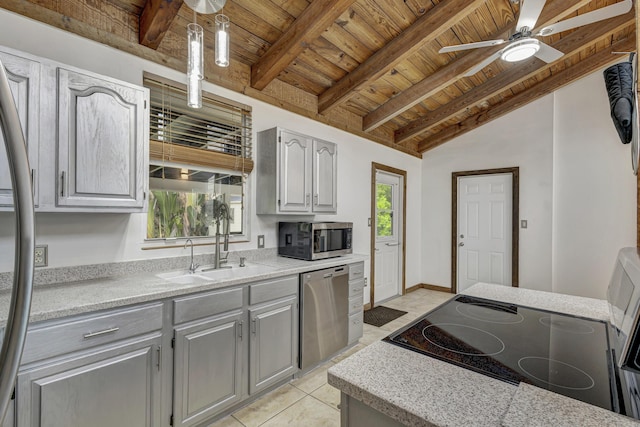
(429, 287)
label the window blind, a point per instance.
(216, 135)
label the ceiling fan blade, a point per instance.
(475, 45)
(529, 12)
(480, 65)
(587, 18)
(548, 54)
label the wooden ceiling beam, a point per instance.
(310, 25)
(425, 29)
(155, 20)
(449, 74)
(517, 73)
(545, 87)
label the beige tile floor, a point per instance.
(311, 402)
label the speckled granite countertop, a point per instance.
(65, 299)
(421, 391)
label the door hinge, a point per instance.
(144, 195)
(278, 202)
(279, 139)
(171, 420)
(173, 343)
(145, 104)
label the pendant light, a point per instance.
(195, 65)
(222, 40)
(195, 42)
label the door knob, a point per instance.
(461, 244)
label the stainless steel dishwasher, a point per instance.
(324, 314)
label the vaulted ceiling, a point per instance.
(370, 67)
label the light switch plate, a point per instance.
(260, 241)
(40, 258)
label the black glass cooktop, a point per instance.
(561, 353)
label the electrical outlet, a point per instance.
(41, 256)
(261, 241)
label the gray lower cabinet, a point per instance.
(100, 369)
(207, 367)
(356, 289)
(115, 386)
(9, 420)
(273, 347)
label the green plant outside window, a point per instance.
(384, 210)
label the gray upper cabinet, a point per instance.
(297, 173)
(325, 176)
(101, 141)
(24, 80)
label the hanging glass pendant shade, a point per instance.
(222, 40)
(195, 65)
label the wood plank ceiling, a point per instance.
(370, 67)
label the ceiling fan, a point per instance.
(523, 43)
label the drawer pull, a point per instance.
(99, 333)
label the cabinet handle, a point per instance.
(99, 333)
(315, 199)
(240, 329)
(62, 184)
(33, 184)
(307, 198)
(254, 326)
(159, 351)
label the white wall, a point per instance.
(76, 239)
(577, 191)
(523, 139)
(594, 190)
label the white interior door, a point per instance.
(388, 246)
(484, 230)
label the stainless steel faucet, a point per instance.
(222, 215)
(192, 266)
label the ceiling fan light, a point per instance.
(520, 50)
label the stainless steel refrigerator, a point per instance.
(15, 330)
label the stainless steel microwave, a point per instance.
(314, 240)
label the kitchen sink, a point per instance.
(182, 277)
(232, 271)
(208, 274)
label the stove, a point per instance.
(564, 354)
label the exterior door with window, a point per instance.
(484, 230)
(387, 244)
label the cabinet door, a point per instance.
(101, 137)
(325, 176)
(119, 386)
(207, 368)
(9, 420)
(273, 348)
(294, 189)
(24, 80)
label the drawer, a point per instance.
(204, 305)
(355, 327)
(356, 287)
(356, 271)
(273, 289)
(66, 336)
(355, 304)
